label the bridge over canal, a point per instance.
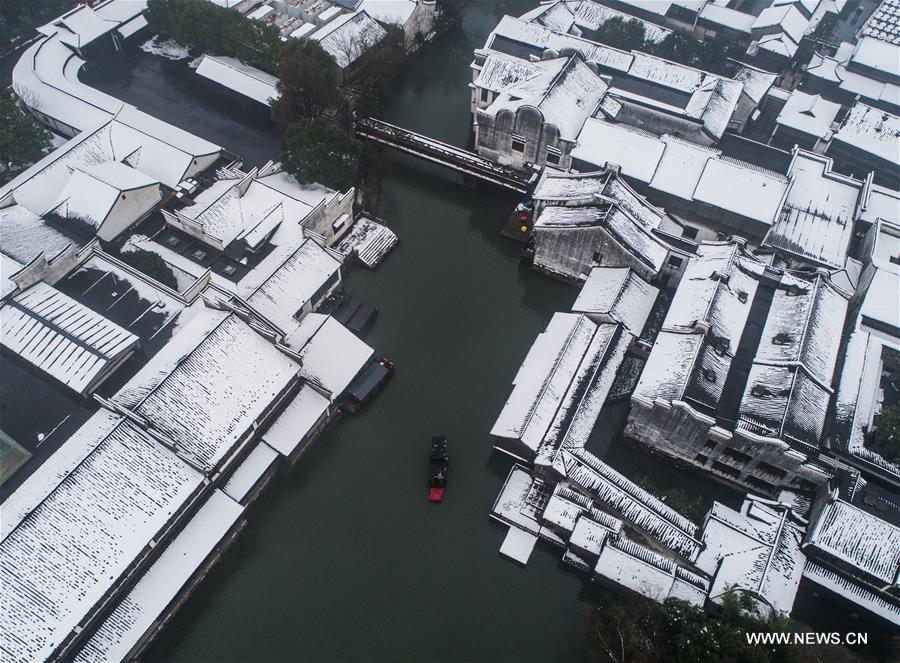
(444, 154)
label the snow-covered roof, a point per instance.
(209, 385)
(554, 15)
(92, 192)
(546, 374)
(741, 188)
(871, 130)
(392, 12)
(637, 152)
(756, 549)
(619, 294)
(858, 394)
(729, 18)
(592, 15)
(612, 490)
(250, 471)
(648, 573)
(816, 220)
(586, 394)
(808, 114)
(162, 582)
(680, 167)
(560, 232)
(243, 79)
(25, 235)
(152, 150)
(107, 493)
(348, 36)
(61, 337)
(244, 206)
(858, 539)
(877, 54)
(557, 186)
(330, 353)
(879, 604)
(884, 22)
(501, 71)
(301, 274)
(785, 18)
(835, 70)
(804, 326)
(300, 416)
(691, 357)
(8, 267)
(303, 31)
(565, 90)
(757, 82)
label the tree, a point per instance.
(22, 139)
(313, 150)
(308, 82)
(622, 33)
(887, 424)
(150, 264)
(709, 55)
(644, 631)
(207, 28)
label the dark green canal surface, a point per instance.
(343, 558)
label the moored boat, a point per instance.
(437, 469)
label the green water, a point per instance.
(343, 558)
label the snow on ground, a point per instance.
(166, 49)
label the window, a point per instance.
(199, 254)
(764, 486)
(709, 444)
(765, 468)
(724, 469)
(736, 456)
(485, 94)
(229, 269)
(553, 158)
(742, 297)
(690, 232)
(518, 143)
(172, 240)
(803, 484)
(710, 375)
(675, 261)
(700, 458)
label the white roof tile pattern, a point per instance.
(108, 508)
(136, 613)
(61, 337)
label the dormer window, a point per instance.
(782, 338)
(742, 296)
(710, 375)
(760, 391)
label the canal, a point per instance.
(343, 558)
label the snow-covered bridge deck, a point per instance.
(441, 153)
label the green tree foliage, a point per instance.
(207, 28)
(22, 139)
(308, 82)
(622, 33)
(629, 34)
(887, 423)
(377, 71)
(314, 150)
(709, 55)
(150, 264)
(677, 632)
(19, 19)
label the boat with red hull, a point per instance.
(437, 469)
